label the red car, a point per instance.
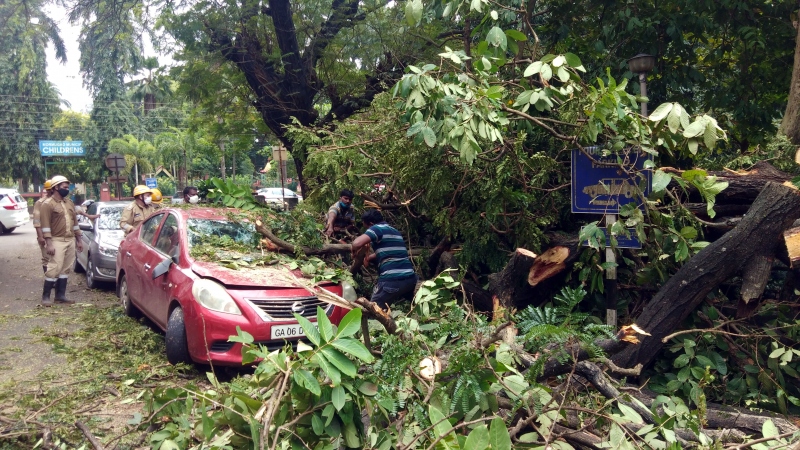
(199, 304)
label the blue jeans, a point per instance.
(390, 291)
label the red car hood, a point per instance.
(268, 276)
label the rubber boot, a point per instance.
(48, 286)
(61, 292)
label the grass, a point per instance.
(112, 361)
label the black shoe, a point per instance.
(61, 292)
(48, 286)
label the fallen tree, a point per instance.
(755, 238)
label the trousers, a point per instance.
(45, 256)
(60, 264)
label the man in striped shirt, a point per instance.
(396, 277)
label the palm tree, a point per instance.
(154, 86)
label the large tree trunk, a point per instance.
(790, 126)
(757, 235)
(743, 187)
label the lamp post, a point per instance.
(642, 64)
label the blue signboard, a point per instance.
(61, 148)
(622, 241)
(152, 183)
(600, 188)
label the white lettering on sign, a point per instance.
(61, 148)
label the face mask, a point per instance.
(343, 205)
(194, 199)
(148, 200)
(63, 193)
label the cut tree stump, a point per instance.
(511, 283)
(757, 235)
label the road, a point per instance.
(23, 323)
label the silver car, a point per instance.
(101, 238)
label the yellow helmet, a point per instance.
(157, 197)
(48, 185)
(141, 189)
(58, 179)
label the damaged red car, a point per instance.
(197, 274)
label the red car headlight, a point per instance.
(214, 296)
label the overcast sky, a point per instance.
(67, 77)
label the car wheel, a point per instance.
(5, 230)
(177, 345)
(91, 283)
(127, 304)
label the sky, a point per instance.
(67, 77)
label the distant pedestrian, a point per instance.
(396, 277)
(62, 237)
(190, 196)
(138, 209)
(37, 223)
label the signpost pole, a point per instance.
(611, 277)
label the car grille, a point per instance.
(284, 308)
(221, 346)
(224, 346)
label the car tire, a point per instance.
(177, 344)
(5, 230)
(91, 282)
(127, 304)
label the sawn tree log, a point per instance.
(756, 236)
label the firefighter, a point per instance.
(157, 198)
(62, 238)
(37, 223)
(138, 210)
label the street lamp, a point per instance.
(642, 64)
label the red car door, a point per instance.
(157, 292)
(136, 258)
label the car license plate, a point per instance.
(287, 331)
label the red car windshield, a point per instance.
(219, 231)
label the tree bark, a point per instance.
(743, 186)
(758, 234)
(511, 285)
(790, 125)
(327, 249)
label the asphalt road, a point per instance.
(23, 322)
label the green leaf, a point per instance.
(309, 329)
(630, 413)
(350, 323)
(478, 439)
(674, 119)
(339, 361)
(516, 35)
(338, 397)
(305, 379)
(681, 361)
(368, 389)
(693, 145)
(661, 180)
(546, 72)
(563, 74)
(559, 61)
(429, 136)
(241, 336)
(497, 38)
(317, 425)
(573, 60)
(413, 12)
(661, 112)
(353, 347)
(768, 429)
(333, 373)
(688, 232)
(498, 435)
(169, 444)
(704, 361)
(324, 324)
(440, 425)
(695, 129)
(777, 352)
(495, 92)
(476, 5)
(532, 69)
(710, 135)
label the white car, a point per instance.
(13, 211)
(273, 197)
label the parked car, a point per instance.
(101, 238)
(273, 197)
(13, 211)
(198, 301)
